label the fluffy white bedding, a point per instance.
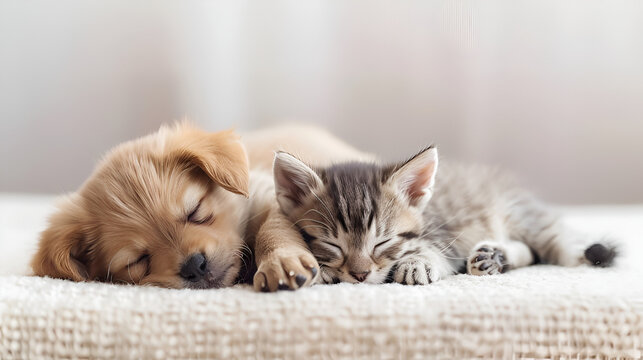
(536, 312)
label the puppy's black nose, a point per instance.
(359, 276)
(194, 268)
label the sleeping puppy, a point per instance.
(177, 209)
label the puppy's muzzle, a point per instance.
(194, 268)
(198, 273)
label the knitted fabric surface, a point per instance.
(536, 312)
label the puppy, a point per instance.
(177, 209)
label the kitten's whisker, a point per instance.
(434, 229)
(328, 212)
(450, 244)
(313, 221)
(313, 226)
(323, 204)
(320, 214)
(454, 258)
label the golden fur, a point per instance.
(136, 203)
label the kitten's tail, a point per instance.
(567, 247)
(553, 242)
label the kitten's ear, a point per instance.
(415, 178)
(294, 180)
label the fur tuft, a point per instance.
(601, 255)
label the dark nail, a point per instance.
(300, 280)
(479, 258)
(484, 266)
(314, 271)
(484, 249)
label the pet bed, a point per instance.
(536, 312)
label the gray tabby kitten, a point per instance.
(370, 223)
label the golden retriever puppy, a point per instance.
(180, 209)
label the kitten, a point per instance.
(370, 223)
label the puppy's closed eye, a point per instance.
(139, 268)
(141, 259)
(196, 216)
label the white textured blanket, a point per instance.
(536, 312)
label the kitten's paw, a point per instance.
(414, 272)
(285, 269)
(487, 260)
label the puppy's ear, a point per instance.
(220, 155)
(415, 178)
(294, 180)
(62, 251)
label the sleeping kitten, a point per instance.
(370, 223)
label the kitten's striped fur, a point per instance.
(366, 222)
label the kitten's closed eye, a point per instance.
(381, 243)
(327, 253)
(337, 247)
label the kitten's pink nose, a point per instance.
(359, 276)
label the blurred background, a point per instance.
(552, 90)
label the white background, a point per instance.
(552, 90)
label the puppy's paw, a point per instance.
(415, 271)
(285, 269)
(487, 260)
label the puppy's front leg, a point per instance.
(284, 261)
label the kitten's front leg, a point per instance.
(326, 276)
(421, 269)
(283, 259)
